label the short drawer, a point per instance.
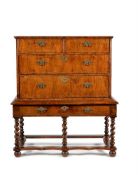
(87, 45)
(41, 64)
(64, 110)
(60, 86)
(39, 45)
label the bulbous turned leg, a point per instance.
(22, 137)
(112, 152)
(106, 131)
(17, 152)
(64, 137)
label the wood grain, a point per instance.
(30, 64)
(57, 110)
(66, 84)
(64, 76)
(32, 45)
(77, 45)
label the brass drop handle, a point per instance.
(41, 85)
(41, 43)
(87, 62)
(64, 108)
(41, 62)
(87, 43)
(41, 109)
(87, 109)
(87, 85)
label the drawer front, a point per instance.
(90, 86)
(41, 64)
(87, 45)
(40, 45)
(54, 86)
(62, 110)
(36, 86)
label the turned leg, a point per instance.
(64, 137)
(112, 152)
(17, 152)
(22, 137)
(106, 131)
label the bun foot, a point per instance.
(17, 154)
(65, 153)
(112, 153)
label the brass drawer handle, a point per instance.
(64, 58)
(41, 43)
(41, 85)
(41, 109)
(87, 62)
(87, 109)
(87, 43)
(41, 62)
(87, 85)
(64, 108)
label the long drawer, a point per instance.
(41, 64)
(60, 86)
(91, 110)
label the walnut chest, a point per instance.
(64, 76)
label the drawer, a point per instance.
(91, 110)
(41, 64)
(87, 45)
(60, 86)
(40, 45)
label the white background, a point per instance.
(71, 17)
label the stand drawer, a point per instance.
(61, 110)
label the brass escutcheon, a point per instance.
(87, 43)
(41, 43)
(64, 58)
(64, 108)
(87, 84)
(87, 109)
(41, 62)
(41, 109)
(41, 85)
(64, 79)
(87, 62)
